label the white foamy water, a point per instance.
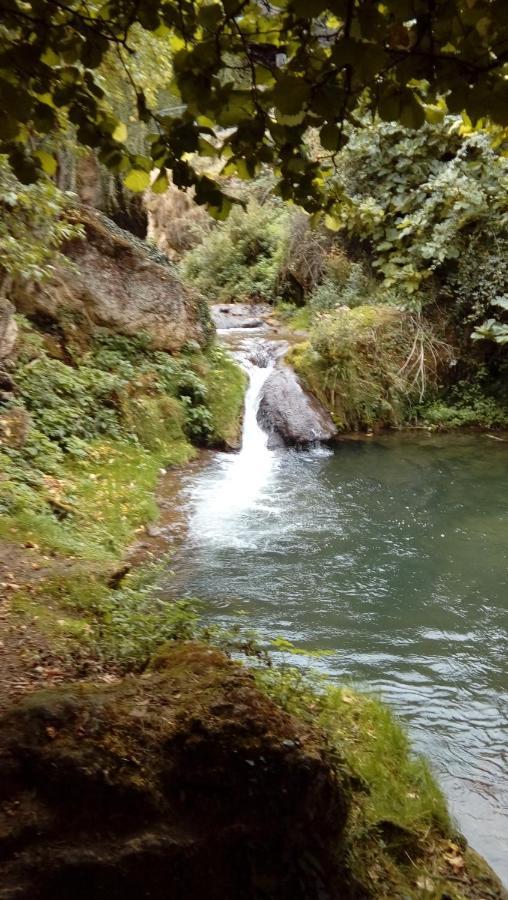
(238, 481)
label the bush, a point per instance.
(465, 405)
(32, 226)
(241, 258)
(369, 364)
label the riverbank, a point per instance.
(82, 617)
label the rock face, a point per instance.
(118, 282)
(185, 782)
(8, 329)
(291, 416)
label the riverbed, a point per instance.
(390, 554)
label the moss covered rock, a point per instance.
(121, 283)
(184, 782)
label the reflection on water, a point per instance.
(391, 554)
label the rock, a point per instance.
(291, 415)
(8, 328)
(14, 427)
(239, 315)
(185, 782)
(118, 282)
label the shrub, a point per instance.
(32, 227)
(241, 258)
(465, 405)
(369, 364)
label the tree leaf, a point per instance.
(137, 180)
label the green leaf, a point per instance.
(120, 133)
(290, 94)
(47, 161)
(137, 181)
(330, 136)
(160, 185)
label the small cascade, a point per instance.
(239, 484)
(240, 480)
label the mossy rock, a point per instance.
(184, 782)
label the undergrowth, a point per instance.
(465, 405)
(83, 439)
(370, 364)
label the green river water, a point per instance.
(391, 554)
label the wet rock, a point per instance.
(239, 315)
(118, 282)
(291, 415)
(8, 328)
(185, 782)
(262, 353)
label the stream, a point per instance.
(390, 554)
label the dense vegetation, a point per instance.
(404, 289)
(93, 424)
(264, 74)
(378, 120)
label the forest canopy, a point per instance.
(248, 80)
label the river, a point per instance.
(390, 553)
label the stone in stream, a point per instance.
(239, 315)
(290, 415)
(184, 782)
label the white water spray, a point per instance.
(241, 479)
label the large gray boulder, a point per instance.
(289, 414)
(117, 281)
(185, 782)
(8, 328)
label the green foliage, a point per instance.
(32, 226)
(132, 623)
(240, 259)
(370, 742)
(262, 75)
(465, 404)
(345, 283)
(368, 364)
(429, 204)
(82, 479)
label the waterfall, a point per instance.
(240, 479)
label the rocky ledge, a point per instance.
(183, 782)
(119, 282)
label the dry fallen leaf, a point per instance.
(425, 884)
(456, 862)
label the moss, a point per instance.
(226, 383)
(82, 478)
(400, 841)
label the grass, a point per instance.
(226, 383)
(400, 841)
(92, 508)
(85, 618)
(298, 318)
(82, 443)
